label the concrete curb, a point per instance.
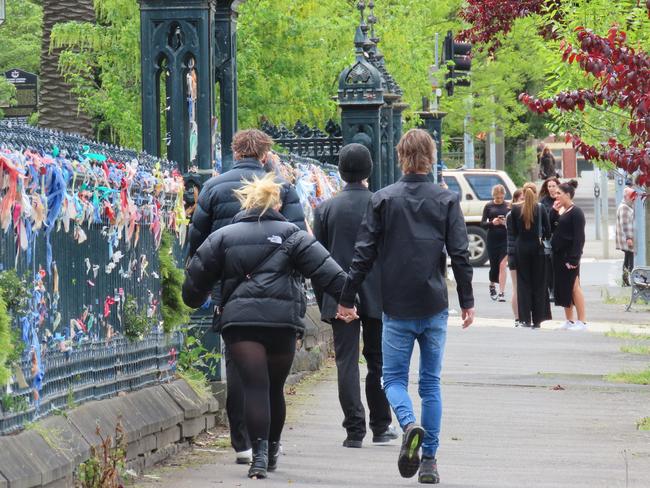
(595, 327)
(155, 420)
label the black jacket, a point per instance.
(529, 238)
(217, 204)
(568, 239)
(407, 226)
(336, 225)
(272, 296)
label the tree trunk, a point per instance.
(58, 107)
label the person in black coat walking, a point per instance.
(257, 261)
(568, 242)
(530, 224)
(217, 205)
(336, 223)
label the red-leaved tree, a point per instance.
(622, 77)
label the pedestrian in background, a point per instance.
(256, 260)
(568, 242)
(625, 232)
(547, 164)
(494, 219)
(216, 207)
(530, 224)
(336, 224)
(406, 229)
(517, 199)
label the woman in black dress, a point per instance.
(547, 199)
(517, 199)
(494, 219)
(532, 293)
(568, 242)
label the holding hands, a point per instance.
(347, 314)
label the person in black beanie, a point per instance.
(336, 222)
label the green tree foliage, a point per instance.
(5, 342)
(20, 36)
(175, 313)
(290, 55)
(102, 63)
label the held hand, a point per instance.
(347, 314)
(468, 317)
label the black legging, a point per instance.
(263, 358)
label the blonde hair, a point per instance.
(416, 151)
(498, 190)
(530, 202)
(260, 193)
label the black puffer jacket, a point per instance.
(272, 296)
(217, 204)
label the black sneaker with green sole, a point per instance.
(408, 461)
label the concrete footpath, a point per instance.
(523, 408)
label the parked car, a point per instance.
(475, 189)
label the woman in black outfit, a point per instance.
(494, 219)
(568, 242)
(548, 191)
(256, 260)
(517, 199)
(547, 199)
(532, 294)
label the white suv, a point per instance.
(475, 189)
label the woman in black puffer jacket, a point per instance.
(258, 260)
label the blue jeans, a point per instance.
(399, 336)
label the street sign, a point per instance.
(26, 93)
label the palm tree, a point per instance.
(58, 107)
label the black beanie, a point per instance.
(355, 163)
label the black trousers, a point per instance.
(263, 357)
(628, 266)
(346, 346)
(532, 288)
(235, 405)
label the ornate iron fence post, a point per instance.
(177, 47)
(225, 63)
(361, 97)
(432, 123)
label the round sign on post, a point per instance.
(2, 11)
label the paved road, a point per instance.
(504, 425)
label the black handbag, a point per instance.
(545, 243)
(218, 310)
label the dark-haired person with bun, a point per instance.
(568, 242)
(530, 224)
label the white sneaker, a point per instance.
(578, 326)
(566, 325)
(244, 457)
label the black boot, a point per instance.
(274, 455)
(260, 459)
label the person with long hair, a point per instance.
(530, 224)
(256, 260)
(517, 199)
(547, 199)
(568, 242)
(547, 192)
(494, 219)
(547, 164)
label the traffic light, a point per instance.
(457, 56)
